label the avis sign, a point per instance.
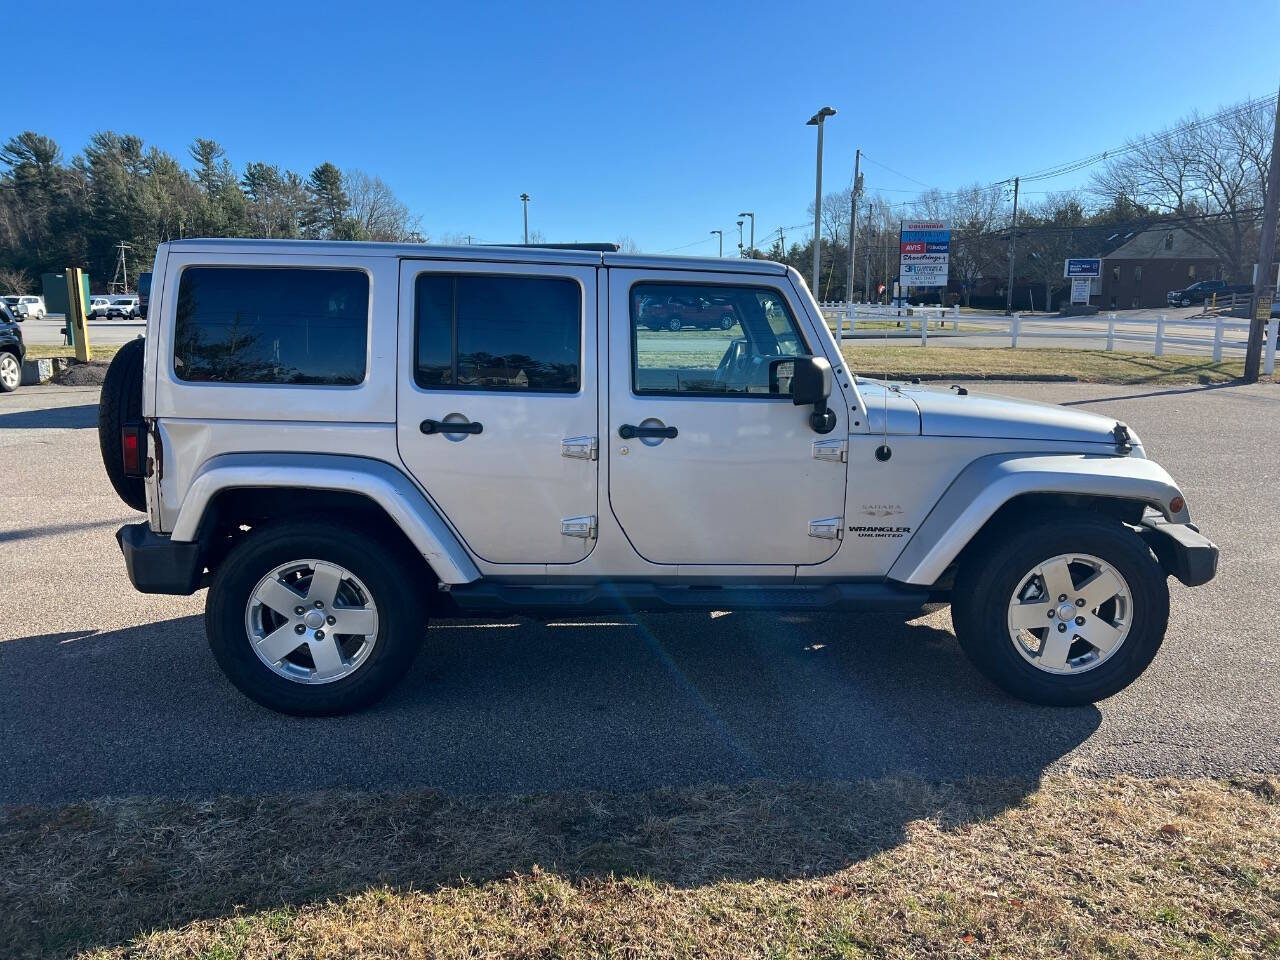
(925, 251)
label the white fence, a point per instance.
(1217, 333)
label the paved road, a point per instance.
(48, 332)
(107, 692)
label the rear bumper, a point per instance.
(1182, 550)
(156, 564)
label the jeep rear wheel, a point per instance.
(314, 619)
(1062, 612)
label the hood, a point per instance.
(948, 413)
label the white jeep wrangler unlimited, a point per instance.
(341, 440)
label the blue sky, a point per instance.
(660, 121)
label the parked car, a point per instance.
(98, 306)
(26, 307)
(12, 350)
(390, 433)
(122, 308)
(144, 293)
(1201, 291)
(30, 308)
(687, 311)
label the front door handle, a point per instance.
(629, 432)
(440, 426)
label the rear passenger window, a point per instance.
(497, 333)
(271, 325)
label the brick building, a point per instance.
(1140, 272)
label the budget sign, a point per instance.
(925, 250)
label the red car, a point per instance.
(680, 312)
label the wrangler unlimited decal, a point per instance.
(894, 532)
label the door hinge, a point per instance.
(836, 451)
(580, 448)
(828, 528)
(584, 528)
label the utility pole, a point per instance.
(1261, 302)
(817, 120)
(1013, 246)
(782, 242)
(120, 280)
(739, 238)
(720, 234)
(853, 222)
(752, 249)
(524, 198)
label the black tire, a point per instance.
(674, 324)
(384, 571)
(991, 573)
(120, 403)
(726, 323)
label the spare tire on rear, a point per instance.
(121, 403)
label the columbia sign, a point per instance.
(925, 249)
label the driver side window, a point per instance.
(705, 339)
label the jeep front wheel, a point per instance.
(1062, 612)
(313, 619)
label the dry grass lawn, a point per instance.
(1071, 867)
(1091, 366)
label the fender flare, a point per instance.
(988, 483)
(380, 482)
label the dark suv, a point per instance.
(1196, 293)
(12, 350)
(681, 312)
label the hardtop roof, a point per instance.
(477, 254)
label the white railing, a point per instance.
(1218, 333)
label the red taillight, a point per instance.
(131, 450)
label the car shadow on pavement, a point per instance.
(80, 416)
(1168, 392)
(679, 748)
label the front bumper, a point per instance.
(1181, 549)
(156, 564)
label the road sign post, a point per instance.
(1082, 271)
(925, 253)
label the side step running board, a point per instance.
(879, 596)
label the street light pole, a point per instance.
(524, 198)
(720, 234)
(751, 250)
(817, 120)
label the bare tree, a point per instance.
(374, 208)
(1204, 167)
(627, 245)
(976, 214)
(15, 280)
(1054, 231)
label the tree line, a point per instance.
(56, 212)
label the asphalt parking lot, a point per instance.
(104, 691)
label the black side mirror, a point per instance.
(810, 384)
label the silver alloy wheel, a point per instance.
(311, 621)
(10, 371)
(1070, 614)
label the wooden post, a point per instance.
(77, 321)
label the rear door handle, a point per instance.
(439, 426)
(629, 432)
